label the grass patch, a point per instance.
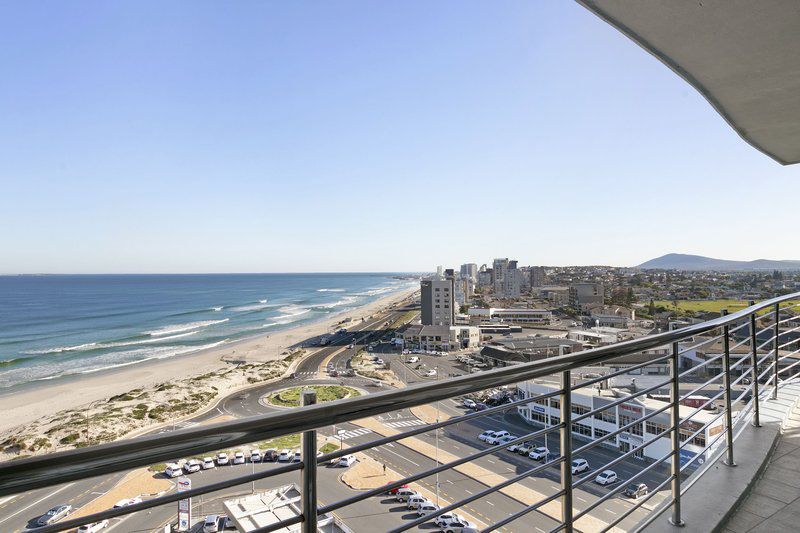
(329, 448)
(325, 393)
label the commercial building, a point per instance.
(585, 294)
(469, 271)
(440, 338)
(438, 303)
(516, 316)
(538, 276)
(508, 279)
(546, 413)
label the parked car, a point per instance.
(285, 456)
(211, 524)
(346, 460)
(579, 465)
(427, 508)
(54, 515)
(255, 456)
(430, 373)
(125, 502)
(526, 448)
(222, 458)
(173, 470)
(480, 406)
(539, 453)
(413, 359)
(297, 457)
(415, 501)
(394, 490)
(486, 435)
(208, 462)
(506, 439)
(606, 477)
(444, 519)
(404, 494)
(635, 490)
(515, 447)
(458, 527)
(238, 458)
(469, 403)
(192, 465)
(94, 527)
(270, 455)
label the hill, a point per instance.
(699, 262)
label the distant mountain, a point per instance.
(698, 262)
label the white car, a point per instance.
(606, 477)
(255, 456)
(500, 440)
(458, 527)
(404, 494)
(285, 456)
(469, 403)
(297, 457)
(579, 465)
(125, 502)
(173, 470)
(487, 435)
(192, 465)
(208, 462)
(93, 527)
(444, 519)
(539, 453)
(346, 460)
(238, 458)
(414, 359)
(430, 373)
(427, 508)
(210, 524)
(222, 458)
(415, 501)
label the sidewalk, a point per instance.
(774, 502)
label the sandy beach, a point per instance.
(34, 402)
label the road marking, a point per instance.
(404, 458)
(490, 503)
(468, 491)
(37, 501)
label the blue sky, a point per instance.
(371, 136)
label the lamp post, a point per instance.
(437, 441)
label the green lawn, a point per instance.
(325, 393)
(710, 306)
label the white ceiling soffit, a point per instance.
(742, 55)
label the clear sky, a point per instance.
(370, 136)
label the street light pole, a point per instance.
(437, 441)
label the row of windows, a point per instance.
(606, 416)
(581, 429)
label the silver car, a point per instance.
(54, 515)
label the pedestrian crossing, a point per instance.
(405, 423)
(350, 434)
(303, 375)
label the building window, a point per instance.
(582, 429)
(654, 428)
(606, 416)
(555, 403)
(579, 409)
(600, 433)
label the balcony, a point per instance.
(678, 449)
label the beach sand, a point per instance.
(36, 401)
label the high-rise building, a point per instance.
(499, 267)
(438, 304)
(508, 282)
(537, 276)
(470, 270)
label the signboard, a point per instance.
(631, 408)
(687, 456)
(538, 408)
(184, 506)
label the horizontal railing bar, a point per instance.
(715, 338)
(697, 456)
(520, 514)
(490, 490)
(702, 386)
(639, 503)
(52, 469)
(766, 370)
(169, 498)
(595, 442)
(619, 401)
(441, 468)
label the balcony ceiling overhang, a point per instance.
(742, 55)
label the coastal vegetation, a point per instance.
(325, 393)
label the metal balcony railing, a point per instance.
(771, 363)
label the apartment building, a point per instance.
(438, 301)
(585, 294)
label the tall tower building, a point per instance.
(438, 305)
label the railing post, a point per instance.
(308, 494)
(726, 379)
(754, 364)
(675, 400)
(565, 434)
(777, 333)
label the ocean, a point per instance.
(54, 326)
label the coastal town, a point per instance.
(457, 322)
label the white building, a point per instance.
(516, 316)
(546, 413)
(440, 338)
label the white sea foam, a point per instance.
(178, 328)
(163, 354)
(375, 291)
(331, 290)
(344, 301)
(253, 307)
(263, 301)
(146, 341)
(62, 349)
(218, 308)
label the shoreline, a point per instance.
(35, 400)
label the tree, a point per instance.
(652, 308)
